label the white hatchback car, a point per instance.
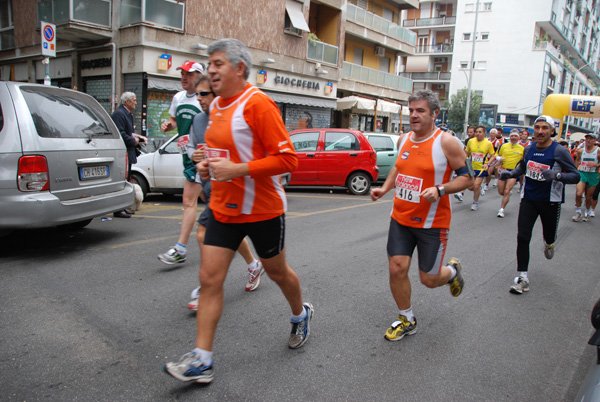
(161, 171)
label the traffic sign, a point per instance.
(48, 39)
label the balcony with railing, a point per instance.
(440, 48)
(428, 76)
(372, 76)
(322, 52)
(379, 24)
(428, 22)
(77, 20)
(547, 46)
(96, 12)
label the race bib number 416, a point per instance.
(408, 188)
(534, 170)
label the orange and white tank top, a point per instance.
(421, 164)
(229, 135)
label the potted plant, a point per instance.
(313, 39)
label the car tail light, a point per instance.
(126, 166)
(33, 173)
(374, 156)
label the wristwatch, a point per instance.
(441, 191)
(558, 176)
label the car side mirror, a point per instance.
(161, 151)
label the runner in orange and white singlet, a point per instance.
(421, 214)
(248, 148)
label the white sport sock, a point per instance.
(181, 248)
(298, 318)
(524, 275)
(452, 273)
(408, 313)
(253, 265)
(204, 356)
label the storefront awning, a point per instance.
(387, 107)
(164, 84)
(301, 100)
(554, 68)
(294, 11)
(357, 104)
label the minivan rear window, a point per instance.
(62, 114)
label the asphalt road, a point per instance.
(93, 315)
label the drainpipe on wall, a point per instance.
(113, 77)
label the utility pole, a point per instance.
(471, 70)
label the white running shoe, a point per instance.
(495, 182)
(586, 217)
(475, 207)
(193, 304)
(459, 196)
(483, 191)
(576, 217)
(500, 213)
(254, 277)
(592, 213)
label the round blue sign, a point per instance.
(48, 33)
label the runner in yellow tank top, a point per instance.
(510, 154)
(478, 149)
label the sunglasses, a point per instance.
(204, 93)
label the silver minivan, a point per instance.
(62, 159)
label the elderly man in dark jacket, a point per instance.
(124, 121)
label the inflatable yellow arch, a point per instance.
(558, 106)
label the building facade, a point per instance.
(430, 67)
(303, 51)
(548, 46)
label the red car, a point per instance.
(334, 157)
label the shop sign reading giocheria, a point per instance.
(296, 82)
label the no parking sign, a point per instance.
(48, 39)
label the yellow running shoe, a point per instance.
(456, 284)
(401, 328)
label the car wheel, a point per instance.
(359, 183)
(76, 225)
(138, 179)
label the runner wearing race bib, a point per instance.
(510, 154)
(183, 108)
(586, 160)
(421, 213)
(478, 149)
(548, 167)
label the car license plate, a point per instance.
(93, 172)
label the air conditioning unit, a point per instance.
(379, 51)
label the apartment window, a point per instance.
(7, 29)
(487, 6)
(467, 36)
(484, 36)
(294, 18)
(470, 8)
(166, 13)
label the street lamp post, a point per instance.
(471, 70)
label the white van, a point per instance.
(62, 159)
